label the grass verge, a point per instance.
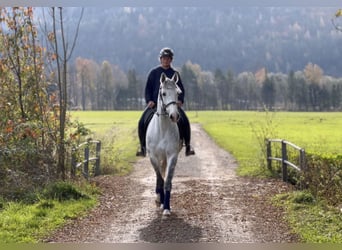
(312, 219)
(27, 223)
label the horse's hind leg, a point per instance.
(159, 190)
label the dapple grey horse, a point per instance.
(162, 139)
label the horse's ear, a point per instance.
(179, 91)
(162, 77)
(175, 77)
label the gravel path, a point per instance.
(209, 203)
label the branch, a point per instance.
(76, 35)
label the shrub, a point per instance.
(62, 191)
(303, 198)
(323, 176)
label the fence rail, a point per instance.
(85, 163)
(284, 156)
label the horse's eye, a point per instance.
(164, 94)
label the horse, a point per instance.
(163, 142)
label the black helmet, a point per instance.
(166, 52)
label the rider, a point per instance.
(151, 97)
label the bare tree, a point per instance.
(62, 53)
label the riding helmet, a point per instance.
(166, 52)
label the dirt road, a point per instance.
(209, 203)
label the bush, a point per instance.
(323, 176)
(303, 198)
(63, 191)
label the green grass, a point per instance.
(313, 220)
(22, 223)
(240, 133)
(118, 134)
(27, 223)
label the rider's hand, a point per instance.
(151, 104)
(179, 103)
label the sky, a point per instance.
(137, 3)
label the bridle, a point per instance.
(164, 106)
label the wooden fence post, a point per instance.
(97, 163)
(284, 158)
(73, 162)
(269, 154)
(86, 161)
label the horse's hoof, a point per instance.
(166, 212)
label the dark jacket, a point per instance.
(153, 83)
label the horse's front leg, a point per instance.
(159, 181)
(159, 190)
(171, 165)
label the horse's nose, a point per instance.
(174, 117)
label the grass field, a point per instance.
(239, 132)
(118, 133)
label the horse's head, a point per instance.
(168, 96)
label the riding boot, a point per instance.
(142, 128)
(142, 152)
(141, 133)
(185, 132)
(189, 150)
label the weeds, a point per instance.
(262, 130)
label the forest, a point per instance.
(228, 58)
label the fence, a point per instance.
(85, 163)
(284, 157)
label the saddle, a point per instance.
(148, 117)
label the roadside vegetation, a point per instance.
(38, 214)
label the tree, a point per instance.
(131, 96)
(189, 74)
(243, 90)
(291, 90)
(313, 73)
(268, 93)
(19, 50)
(26, 124)
(120, 82)
(336, 96)
(221, 88)
(106, 86)
(302, 93)
(208, 89)
(61, 54)
(228, 90)
(86, 79)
